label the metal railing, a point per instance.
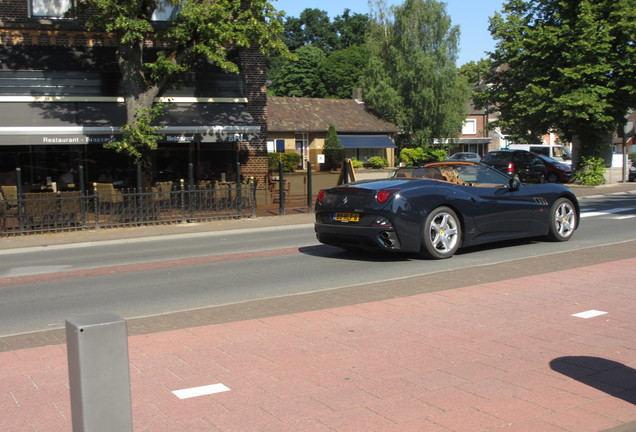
(110, 207)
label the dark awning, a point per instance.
(78, 123)
(366, 141)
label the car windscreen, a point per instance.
(419, 172)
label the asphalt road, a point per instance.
(41, 287)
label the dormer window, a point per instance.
(166, 11)
(51, 9)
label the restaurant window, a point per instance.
(50, 8)
(166, 11)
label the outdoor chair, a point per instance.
(70, 207)
(8, 213)
(40, 209)
(10, 195)
(222, 195)
(162, 190)
(274, 189)
(110, 200)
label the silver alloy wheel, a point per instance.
(442, 233)
(564, 220)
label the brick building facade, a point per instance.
(61, 99)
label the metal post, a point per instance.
(99, 374)
(310, 203)
(252, 184)
(97, 205)
(82, 194)
(239, 195)
(18, 182)
(183, 198)
(139, 201)
(281, 190)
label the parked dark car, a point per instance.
(556, 172)
(437, 208)
(632, 171)
(522, 164)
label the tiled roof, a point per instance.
(289, 114)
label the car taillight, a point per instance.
(384, 195)
(321, 195)
(511, 168)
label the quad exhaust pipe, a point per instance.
(389, 239)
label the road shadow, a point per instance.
(333, 252)
(613, 378)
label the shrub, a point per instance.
(356, 163)
(378, 162)
(333, 150)
(290, 161)
(420, 155)
(590, 172)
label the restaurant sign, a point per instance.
(102, 135)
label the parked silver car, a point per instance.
(465, 156)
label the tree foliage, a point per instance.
(475, 71)
(564, 66)
(153, 56)
(334, 151)
(301, 78)
(411, 78)
(314, 27)
(340, 68)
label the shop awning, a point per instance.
(366, 141)
(79, 123)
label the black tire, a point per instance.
(552, 178)
(441, 234)
(563, 220)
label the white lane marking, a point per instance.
(589, 314)
(200, 391)
(33, 270)
(605, 212)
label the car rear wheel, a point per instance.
(441, 234)
(563, 220)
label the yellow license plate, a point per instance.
(347, 217)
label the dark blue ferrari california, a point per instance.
(437, 208)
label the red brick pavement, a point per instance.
(500, 356)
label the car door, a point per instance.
(497, 210)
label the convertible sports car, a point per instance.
(437, 208)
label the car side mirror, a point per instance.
(514, 184)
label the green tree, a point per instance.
(342, 71)
(411, 77)
(152, 57)
(313, 27)
(301, 78)
(334, 151)
(475, 71)
(350, 29)
(564, 66)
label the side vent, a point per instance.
(540, 200)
